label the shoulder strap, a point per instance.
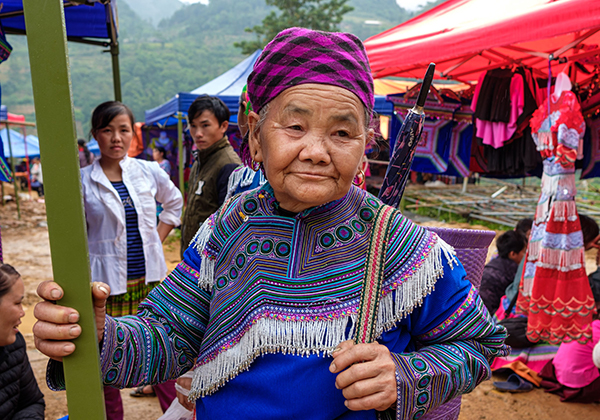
(374, 269)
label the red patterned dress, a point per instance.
(554, 291)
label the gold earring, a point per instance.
(361, 178)
(256, 166)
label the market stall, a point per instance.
(497, 45)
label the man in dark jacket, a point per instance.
(500, 272)
(20, 396)
(208, 119)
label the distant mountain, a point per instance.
(153, 11)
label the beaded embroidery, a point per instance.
(288, 296)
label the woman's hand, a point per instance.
(56, 324)
(185, 382)
(367, 375)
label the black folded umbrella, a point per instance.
(401, 159)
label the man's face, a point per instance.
(206, 131)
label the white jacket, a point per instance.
(105, 217)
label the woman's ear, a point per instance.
(254, 137)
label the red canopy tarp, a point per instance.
(466, 37)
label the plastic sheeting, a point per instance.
(18, 144)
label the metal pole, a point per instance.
(12, 169)
(24, 131)
(114, 52)
(48, 57)
(180, 151)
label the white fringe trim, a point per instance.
(561, 260)
(269, 335)
(395, 306)
(207, 267)
(242, 177)
(533, 250)
(564, 210)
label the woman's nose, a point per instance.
(315, 149)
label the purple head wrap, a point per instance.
(298, 55)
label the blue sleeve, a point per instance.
(453, 340)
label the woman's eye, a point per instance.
(296, 127)
(342, 133)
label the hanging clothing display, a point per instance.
(555, 293)
(460, 150)
(445, 144)
(503, 103)
(433, 151)
(591, 149)
(5, 174)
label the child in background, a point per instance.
(500, 272)
(524, 226)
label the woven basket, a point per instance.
(471, 248)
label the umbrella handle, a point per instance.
(426, 85)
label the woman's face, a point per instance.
(114, 139)
(157, 155)
(11, 312)
(311, 144)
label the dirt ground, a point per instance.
(25, 245)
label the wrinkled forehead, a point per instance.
(315, 101)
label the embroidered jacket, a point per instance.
(260, 300)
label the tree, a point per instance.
(323, 15)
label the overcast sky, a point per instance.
(406, 4)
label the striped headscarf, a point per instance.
(297, 56)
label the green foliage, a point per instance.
(324, 15)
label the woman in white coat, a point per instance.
(125, 244)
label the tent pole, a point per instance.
(24, 130)
(180, 151)
(48, 57)
(12, 169)
(114, 52)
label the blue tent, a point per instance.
(3, 113)
(94, 20)
(18, 145)
(93, 147)
(228, 87)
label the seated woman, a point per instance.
(20, 396)
(267, 301)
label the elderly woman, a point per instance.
(268, 296)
